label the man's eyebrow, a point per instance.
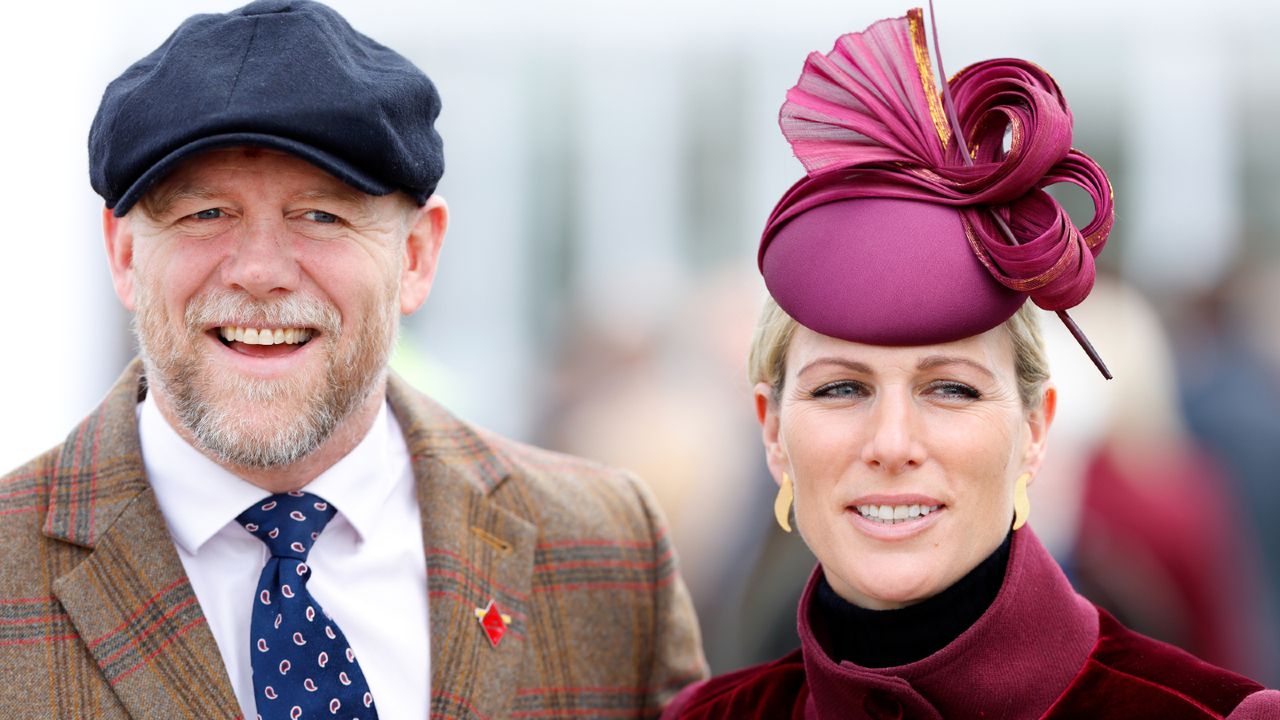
(934, 361)
(160, 200)
(351, 197)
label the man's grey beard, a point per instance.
(176, 367)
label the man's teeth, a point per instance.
(264, 336)
(890, 514)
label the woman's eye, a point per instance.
(210, 214)
(955, 390)
(320, 216)
(843, 389)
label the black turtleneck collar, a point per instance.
(885, 638)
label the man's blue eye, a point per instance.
(321, 216)
(210, 214)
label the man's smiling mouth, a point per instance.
(264, 336)
(264, 342)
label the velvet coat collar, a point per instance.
(1036, 620)
(1040, 651)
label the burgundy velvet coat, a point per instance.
(1039, 651)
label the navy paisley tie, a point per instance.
(302, 664)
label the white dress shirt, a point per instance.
(368, 566)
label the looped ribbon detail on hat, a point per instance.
(866, 120)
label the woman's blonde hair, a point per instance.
(767, 361)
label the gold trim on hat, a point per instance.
(920, 48)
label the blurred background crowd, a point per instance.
(609, 167)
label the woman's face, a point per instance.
(870, 433)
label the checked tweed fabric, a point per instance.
(302, 664)
(98, 618)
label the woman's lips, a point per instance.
(895, 513)
(892, 516)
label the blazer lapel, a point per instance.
(130, 600)
(477, 553)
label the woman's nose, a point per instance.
(893, 444)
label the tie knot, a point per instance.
(288, 523)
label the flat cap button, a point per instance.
(267, 7)
(882, 706)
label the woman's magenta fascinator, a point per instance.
(923, 217)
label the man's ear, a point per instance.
(1038, 421)
(422, 253)
(118, 236)
(775, 454)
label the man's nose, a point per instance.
(261, 260)
(894, 443)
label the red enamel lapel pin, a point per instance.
(493, 621)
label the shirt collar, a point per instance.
(198, 497)
(360, 484)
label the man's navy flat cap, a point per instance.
(285, 74)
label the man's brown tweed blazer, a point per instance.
(98, 619)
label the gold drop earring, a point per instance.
(782, 503)
(1021, 502)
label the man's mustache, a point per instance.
(232, 308)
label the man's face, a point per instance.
(239, 243)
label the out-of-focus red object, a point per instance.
(1162, 546)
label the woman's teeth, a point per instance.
(890, 514)
(264, 336)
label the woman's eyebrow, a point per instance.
(853, 365)
(935, 361)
